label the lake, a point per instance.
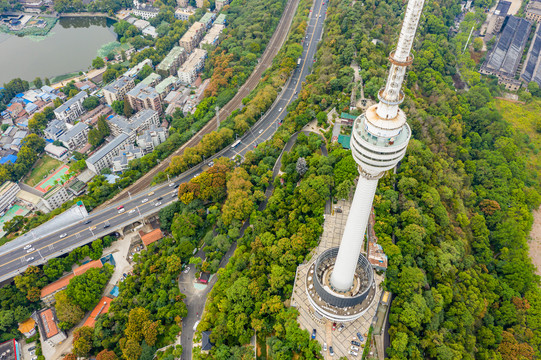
(69, 47)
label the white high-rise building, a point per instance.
(343, 277)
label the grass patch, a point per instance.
(42, 168)
(523, 117)
(63, 77)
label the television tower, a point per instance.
(380, 137)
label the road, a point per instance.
(106, 221)
(263, 130)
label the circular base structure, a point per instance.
(334, 305)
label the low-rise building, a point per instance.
(100, 309)
(531, 71)
(28, 327)
(171, 63)
(55, 129)
(183, 14)
(71, 109)
(145, 11)
(152, 79)
(75, 137)
(137, 68)
(207, 19)
(150, 237)
(533, 11)
(498, 17)
(122, 160)
(8, 195)
(140, 24)
(151, 138)
(118, 89)
(212, 36)
(164, 87)
(188, 71)
(11, 350)
(55, 197)
(192, 37)
(48, 326)
(56, 152)
(144, 97)
(150, 31)
(103, 158)
(143, 120)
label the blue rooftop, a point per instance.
(11, 158)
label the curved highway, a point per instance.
(14, 258)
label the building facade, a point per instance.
(171, 63)
(75, 137)
(141, 121)
(189, 70)
(8, 195)
(183, 14)
(192, 37)
(71, 109)
(151, 138)
(103, 158)
(55, 197)
(533, 11)
(144, 97)
(118, 89)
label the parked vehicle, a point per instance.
(314, 334)
(360, 337)
(331, 351)
(63, 235)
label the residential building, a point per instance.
(57, 152)
(55, 129)
(171, 63)
(221, 20)
(118, 89)
(164, 87)
(101, 308)
(150, 31)
(48, 327)
(140, 24)
(11, 350)
(137, 68)
(143, 120)
(182, 3)
(150, 237)
(207, 19)
(191, 38)
(103, 158)
(144, 11)
(75, 137)
(8, 195)
(533, 11)
(71, 109)
(152, 79)
(122, 160)
(144, 97)
(183, 14)
(531, 71)
(28, 327)
(188, 71)
(220, 4)
(212, 36)
(55, 197)
(503, 60)
(151, 138)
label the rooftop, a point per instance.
(107, 148)
(193, 60)
(89, 265)
(47, 318)
(9, 348)
(65, 106)
(148, 80)
(151, 237)
(80, 126)
(101, 308)
(161, 87)
(57, 285)
(532, 68)
(118, 84)
(27, 325)
(170, 58)
(502, 8)
(207, 17)
(220, 19)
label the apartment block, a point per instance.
(212, 36)
(75, 137)
(144, 97)
(151, 138)
(199, 3)
(55, 197)
(171, 63)
(188, 71)
(55, 129)
(144, 11)
(207, 19)
(191, 38)
(143, 120)
(183, 14)
(71, 109)
(151, 80)
(122, 160)
(8, 195)
(118, 89)
(164, 87)
(103, 158)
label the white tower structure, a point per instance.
(379, 140)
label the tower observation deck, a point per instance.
(379, 140)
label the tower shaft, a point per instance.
(379, 140)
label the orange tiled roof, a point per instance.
(83, 268)
(27, 325)
(49, 323)
(101, 308)
(57, 285)
(151, 237)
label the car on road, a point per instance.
(27, 247)
(356, 343)
(174, 194)
(159, 198)
(144, 200)
(87, 222)
(211, 164)
(176, 186)
(360, 337)
(63, 235)
(324, 346)
(196, 175)
(187, 270)
(354, 353)
(280, 110)
(331, 351)
(333, 326)
(314, 334)
(30, 250)
(260, 131)
(93, 228)
(121, 210)
(151, 193)
(120, 207)
(106, 226)
(131, 211)
(158, 203)
(172, 184)
(30, 259)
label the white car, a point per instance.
(144, 201)
(324, 346)
(63, 235)
(260, 131)
(196, 175)
(174, 194)
(121, 210)
(354, 348)
(30, 250)
(172, 184)
(211, 164)
(131, 211)
(158, 203)
(187, 270)
(27, 247)
(30, 259)
(354, 353)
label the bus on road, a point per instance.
(299, 61)
(235, 144)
